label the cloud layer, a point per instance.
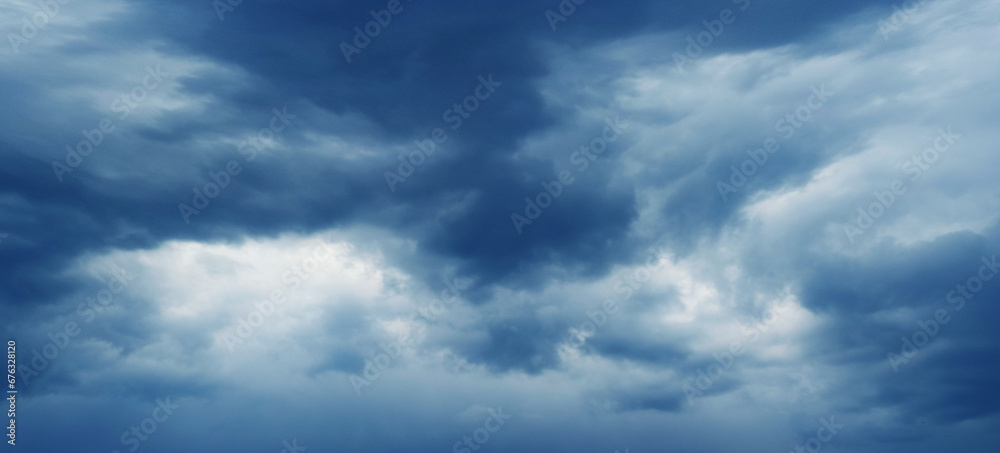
(626, 225)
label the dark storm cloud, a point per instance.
(425, 60)
(926, 279)
(456, 207)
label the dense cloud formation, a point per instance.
(403, 225)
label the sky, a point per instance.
(558, 225)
